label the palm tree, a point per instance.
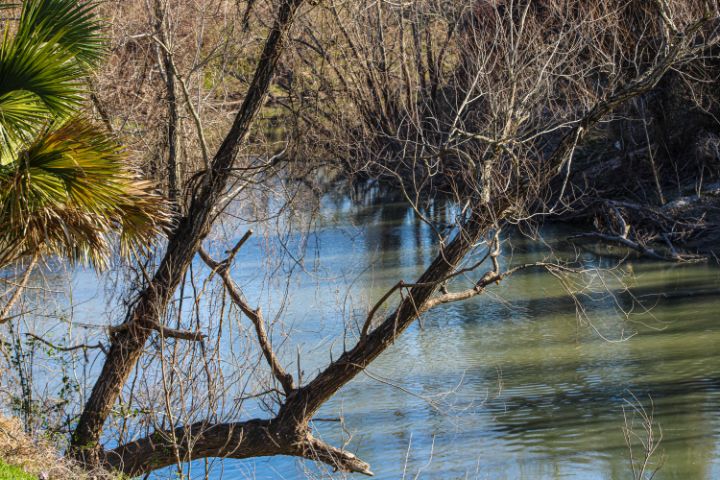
(65, 186)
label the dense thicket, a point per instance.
(410, 94)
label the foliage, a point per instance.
(65, 187)
(8, 472)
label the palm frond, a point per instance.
(65, 187)
(69, 193)
(37, 80)
(21, 113)
(68, 23)
(55, 45)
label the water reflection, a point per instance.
(504, 386)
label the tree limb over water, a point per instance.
(516, 157)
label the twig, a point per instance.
(162, 330)
(255, 315)
(18, 290)
(82, 346)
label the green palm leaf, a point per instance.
(38, 81)
(55, 45)
(68, 23)
(69, 193)
(65, 187)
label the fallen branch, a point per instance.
(644, 250)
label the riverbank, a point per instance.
(26, 458)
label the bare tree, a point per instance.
(486, 104)
(129, 341)
(512, 131)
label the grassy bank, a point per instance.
(9, 472)
(25, 458)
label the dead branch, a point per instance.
(162, 330)
(72, 348)
(644, 250)
(255, 315)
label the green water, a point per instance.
(516, 384)
(510, 385)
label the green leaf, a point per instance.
(65, 186)
(69, 192)
(68, 23)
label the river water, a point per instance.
(510, 385)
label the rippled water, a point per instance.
(509, 385)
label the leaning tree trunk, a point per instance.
(128, 342)
(289, 433)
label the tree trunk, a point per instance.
(301, 406)
(173, 119)
(128, 343)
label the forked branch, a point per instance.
(255, 315)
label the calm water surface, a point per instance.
(510, 385)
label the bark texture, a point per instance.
(253, 438)
(129, 343)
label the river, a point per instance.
(510, 385)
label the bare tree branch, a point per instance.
(255, 315)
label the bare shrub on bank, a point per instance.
(439, 97)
